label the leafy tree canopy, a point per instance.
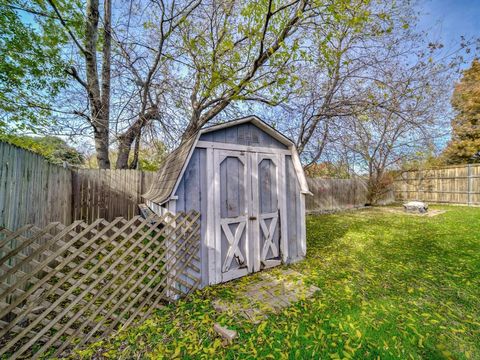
(32, 70)
(52, 148)
(465, 144)
(150, 156)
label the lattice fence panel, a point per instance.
(64, 286)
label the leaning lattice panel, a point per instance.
(64, 286)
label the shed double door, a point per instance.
(247, 211)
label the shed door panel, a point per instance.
(268, 210)
(247, 212)
(232, 232)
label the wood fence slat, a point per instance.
(122, 300)
(85, 292)
(69, 291)
(57, 270)
(339, 194)
(34, 191)
(451, 185)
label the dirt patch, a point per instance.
(429, 213)
(270, 293)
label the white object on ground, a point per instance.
(416, 206)
(227, 334)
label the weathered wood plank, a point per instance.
(107, 193)
(457, 184)
(87, 280)
(31, 189)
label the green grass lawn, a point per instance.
(392, 287)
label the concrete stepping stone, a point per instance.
(273, 292)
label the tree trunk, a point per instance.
(370, 185)
(377, 186)
(106, 75)
(125, 142)
(126, 139)
(101, 148)
(192, 128)
(136, 151)
(99, 110)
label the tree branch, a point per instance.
(64, 23)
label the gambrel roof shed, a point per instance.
(246, 180)
(174, 165)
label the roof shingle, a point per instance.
(170, 170)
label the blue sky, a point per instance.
(447, 20)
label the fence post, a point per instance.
(354, 193)
(73, 199)
(331, 194)
(469, 184)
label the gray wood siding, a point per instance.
(243, 134)
(293, 210)
(189, 191)
(232, 188)
(192, 194)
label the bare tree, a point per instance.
(402, 119)
(148, 62)
(233, 56)
(170, 67)
(96, 85)
(141, 52)
(342, 55)
(373, 91)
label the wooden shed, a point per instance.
(246, 180)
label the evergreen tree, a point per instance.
(465, 144)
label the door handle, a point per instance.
(252, 218)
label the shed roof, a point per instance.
(173, 166)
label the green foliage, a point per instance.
(151, 156)
(465, 144)
(391, 287)
(425, 159)
(224, 51)
(54, 149)
(32, 71)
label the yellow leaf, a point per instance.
(261, 327)
(176, 354)
(447, 354)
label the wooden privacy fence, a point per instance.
(64, 286)
(32, 190)
(339, 194)
(108, 193)
(452, 184)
